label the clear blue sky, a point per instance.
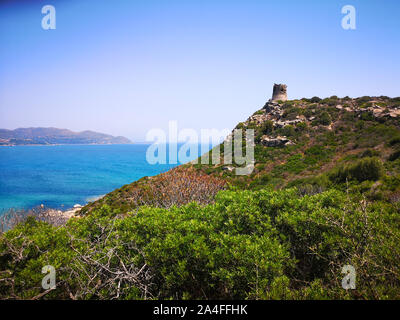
(124, 67)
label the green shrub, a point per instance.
(316, 153)
(394, 141)
(261, 166)
(330, 101)
(394, 156)
(259, 112)
(291, 113)
(267, 127)
(308, 113)
(362, 170)
(265, 178)
(370, 153)
(363, 99)
(360, 124)
(247, 245)
(315, 99)
(294, 164)
(302, 126)
(367, 116)
(288, 130)
(325, 118)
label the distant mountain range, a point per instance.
(51, 136)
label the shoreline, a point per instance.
(55, 217)
(67, 214)
(71, 212)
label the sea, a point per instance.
(60, 176)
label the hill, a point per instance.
(310, 143)
(50, 136)
(318, 218)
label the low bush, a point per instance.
(247, 245)
(315, 99)
(394, 156)
(362, 170)
(325, 119)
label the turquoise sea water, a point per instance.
(61, 176)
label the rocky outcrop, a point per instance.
(281, 124)
(258, 118)
(273, 110)
(275, 142)
(376, 110)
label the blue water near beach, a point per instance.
(65, 175)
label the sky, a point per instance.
(124, 67)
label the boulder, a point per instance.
(258, 118)
(274, 142)
(394, 113)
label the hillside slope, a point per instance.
(323, 201)
(310, 143)
(49, 136)
(304, 142)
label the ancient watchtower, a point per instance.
(280, 92)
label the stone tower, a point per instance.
(280, 92)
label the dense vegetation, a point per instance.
(329, 199)
(248, 244)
